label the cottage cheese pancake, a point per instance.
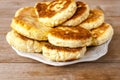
(80, 15)
(102, 34)
(55, 12)
(26, 23)
(56, 53)
(23, 43)
(69, 36)
(95, 19)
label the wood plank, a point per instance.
(14, 67)
(84, 71)
(114, 21)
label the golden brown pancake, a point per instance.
(56, 53)
(69, 36)
(95, 19)
(55, 12)
(26, 23)
(80, 15)
(50, 9)
(23, 43)
(102, 34)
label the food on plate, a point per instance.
(95, 19)
(70, 36)
(61, 30)
(80, 15)
(102, 34)
(56, 53)
(23, 43)
(55, 12)
(26, 23)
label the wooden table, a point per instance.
(14, 67)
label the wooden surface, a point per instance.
(14, 67)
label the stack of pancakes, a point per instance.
(61, 29)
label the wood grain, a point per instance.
(14, 67)
(35, 71)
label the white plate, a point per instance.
(92, 54)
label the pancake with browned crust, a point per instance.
(56, 53)
(95, 19)
(80, 15)
(23, 43)
(55, 12)
(102, 34)
(69, 36)
(26, 23)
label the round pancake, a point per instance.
(80, 15)
(102, 34)
(55, 12)
(95, 19)
(26, 23)
(56, 53)
(23, 43)
(69, 36)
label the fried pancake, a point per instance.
(55, 12)
(95, 19)
(69, 36)
(102, 34)
(80, 15)
(56, 53)
(26, 23)
(23, 43)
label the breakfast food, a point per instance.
(56, 53)
(61, 30)
(80, 15)
(95, 19)
(69, 37)
(26, 23)
(55, 12)
(23, 43)
(102, 34)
